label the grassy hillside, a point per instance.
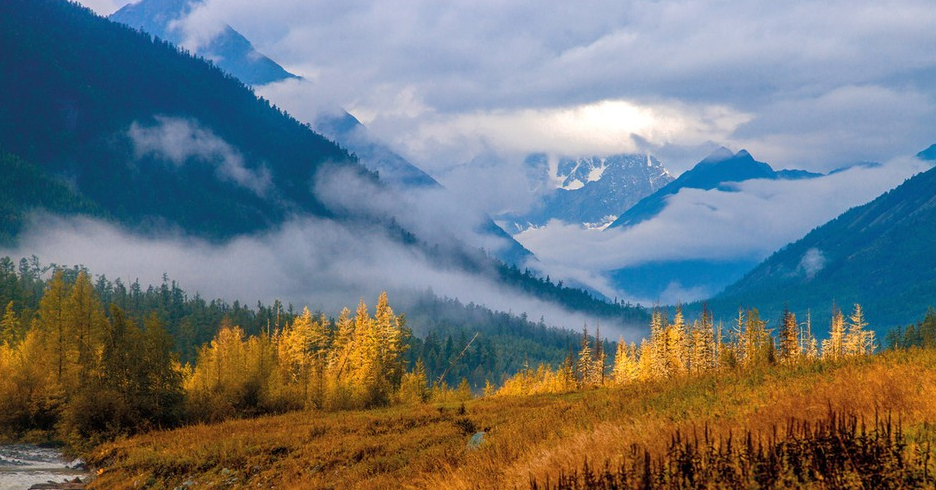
(526, 438)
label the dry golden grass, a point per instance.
(425, 446)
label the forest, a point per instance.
(73, 350)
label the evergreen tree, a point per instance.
(789, 338)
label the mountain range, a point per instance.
(589, 191)
(721, 170)
(228, 48)
(235, 54)
(716, 171)
(156, 138)
(103, 121)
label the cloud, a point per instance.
(429, 73)
(105, 7)
(180, 140)
(604, 127)
(747, 222)
(813, 261)
(433, 214)
(312, 262)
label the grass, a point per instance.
(526, 438)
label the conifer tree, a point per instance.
(759, 344)
(858, 341)
(658, 345)
(601, 359)
(297, 344)
(586, 361)
(676, 345)
(810, 346)
(645, 361)
(53, 325)
(789, 338)
(833, 348)
(86, 320)
(10, 327)
(626, 367)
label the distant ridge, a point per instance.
(592, 190)
(719, 168)
(231, 51)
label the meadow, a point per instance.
(532, 440)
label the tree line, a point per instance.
(82, 372)
(679, 348)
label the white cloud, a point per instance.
(105, 7)
(436, 78)
(310, 262)
(179, 140)
(812, 262)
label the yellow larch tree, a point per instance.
(833, 348)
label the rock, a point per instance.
(67, 485)
(476, 441)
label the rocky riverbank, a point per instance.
(28, 466)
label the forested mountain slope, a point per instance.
(879, 254)
(150, 134)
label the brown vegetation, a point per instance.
(526, 437)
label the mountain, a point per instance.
(101, 120)
(155, 137)
(591, 191)
(231, 51)
(692, 278)
(879, 255)
(716, 170)
(928, 154)
(235, 54)
(27, 188)
(375, 154)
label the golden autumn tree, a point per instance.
(11, 331)
(833, 348)
(858, 340)
(790, 351)
(52, 323)
(626, 366)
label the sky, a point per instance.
(466, 90)
(798, 83)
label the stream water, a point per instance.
(23, 465)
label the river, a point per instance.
(23, 465)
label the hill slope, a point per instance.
(150, 134)
(879, 255)
(233, 53)
(26, 188)
(228, 49)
